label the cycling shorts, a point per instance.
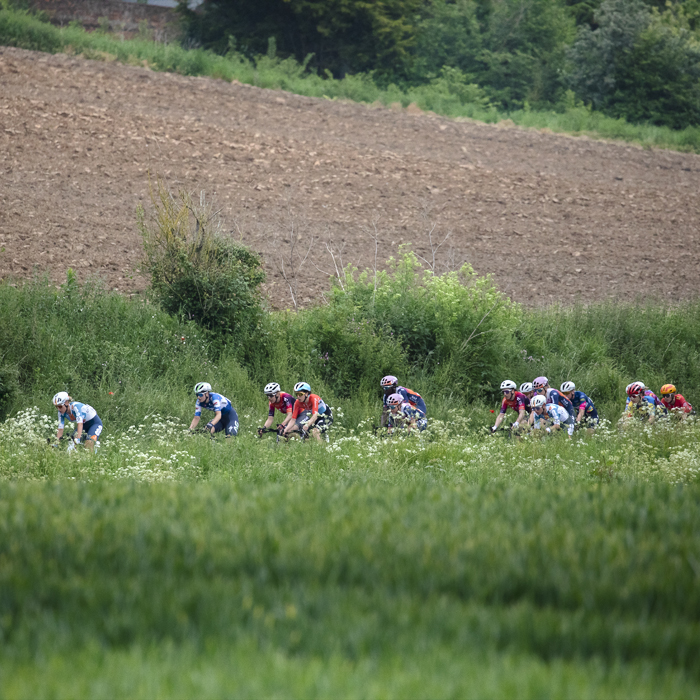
(228, 422)
(92, 428)
(323, 422)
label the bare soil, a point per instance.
(553, 218)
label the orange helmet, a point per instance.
(668, 389)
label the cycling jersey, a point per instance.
(517, 403)
(406, 413)
(649, 397)
(412, 397)
(77, 412)
(647, 407)
(285, 404)
(579, 399)
(313, 403)
(554, 396)
(215, 402)
(679, 404)
(557, 414)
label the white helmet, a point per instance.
(526, 387)
(566, 387)
(271, 389)
(201, 387)
(302, 386)
(538, 401)
(507, 384)
(61, 398)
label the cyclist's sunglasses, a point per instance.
(199, 396)
(506, 391)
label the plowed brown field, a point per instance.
(553, 218)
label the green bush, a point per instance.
(196, 271)
(452, 326)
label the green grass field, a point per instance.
(447, 565)
(460, 564)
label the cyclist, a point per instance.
(642, 403)
(226, 418)
(515, 400)
(674, 402)
(310, 413)
(587, 413)
(84, 416)
(390, 385)
(280, 401)
(649, 395)
(550, 416)
(403, 414)
(527, 390)
(541, 386)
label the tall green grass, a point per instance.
(128, 358)
(349, 573)
(23, 30)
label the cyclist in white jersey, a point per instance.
(550, 416)
(85, 417)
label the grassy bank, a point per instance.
(452, 100)
(171, 565)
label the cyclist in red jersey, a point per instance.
(674, 402)
(279, 401)
(515, 400)
(311, 414)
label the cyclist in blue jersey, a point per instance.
(390, 385)
(549, 416)
(587, 414)
(84, 416)
(226, 418)
(402, 414)
(541, 386)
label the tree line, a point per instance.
(635, 59)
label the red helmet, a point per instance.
(635, 389)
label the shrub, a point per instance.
(196, 271)
(452, 326)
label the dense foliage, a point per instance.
(198, 272)
(630, 59)
(450, 92)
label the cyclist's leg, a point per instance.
(92, 430)
(231, 426)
